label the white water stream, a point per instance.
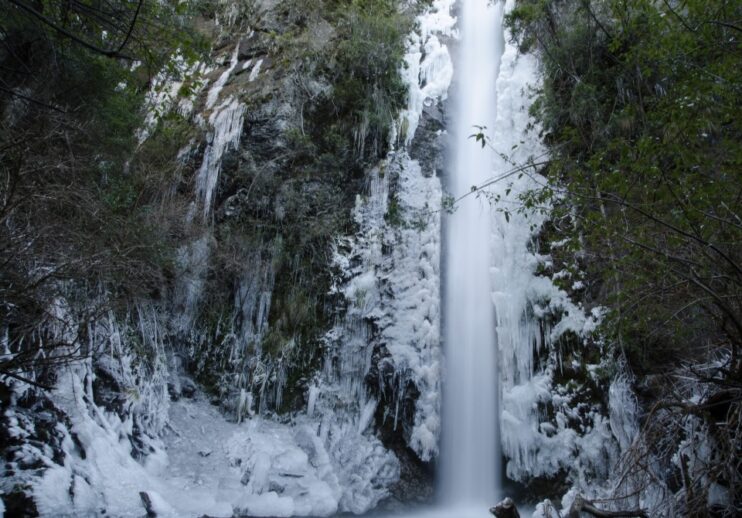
(470, 463)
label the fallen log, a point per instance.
(581, 505)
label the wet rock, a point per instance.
(148, 504)
(252, 47)
(19, 503)
(31, 437)
(428, 145)
(505, 509)
(188, 388)
(173, 390)
(108, 392)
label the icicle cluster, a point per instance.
(429, 69)
(534, 443)
(390, 274)
(226, 124)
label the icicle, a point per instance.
(367, 414)
(623, 411)
(226, 121)
(313, 393)
(216, 89)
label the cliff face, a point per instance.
(221, 271)
(328, 251)
(301, 293)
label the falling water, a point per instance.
(470, 463)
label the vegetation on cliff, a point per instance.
(95, 210)
(640, 108)
(84, 211)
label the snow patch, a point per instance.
(255, 71)
(165, 89)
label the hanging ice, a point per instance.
(214, 91)
(428, 68)
(524, 301)
(226, 122)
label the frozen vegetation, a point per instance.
(428, 66)
(166, 447)
(532, 313)
(182, 452)
(282, 399)
(389, 272)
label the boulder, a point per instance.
(505, 509)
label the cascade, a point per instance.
(470, 462)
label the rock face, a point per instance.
(305, 285)
(250, 307)
(382, 353)
(27, 435)
(304, 298)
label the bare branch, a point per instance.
(51, 23)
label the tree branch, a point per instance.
(31, 99)
(26, 380)
(51, 23)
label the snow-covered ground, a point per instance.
(202, 464)
(259, 467)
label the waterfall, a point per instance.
(470, 463)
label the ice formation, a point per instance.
(389, 270)
(255, 71)
(393, 296)
(186, 457)
(525, 302)
(192, 260)
(428, 67)
(531, 313)
(624, 412)
(218, 85)
(226, 129)
(202, 465)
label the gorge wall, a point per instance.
(223, 267)
(302, 293)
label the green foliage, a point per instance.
(369, 58)
(393, 214)
(362, 66)
(640, 105)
